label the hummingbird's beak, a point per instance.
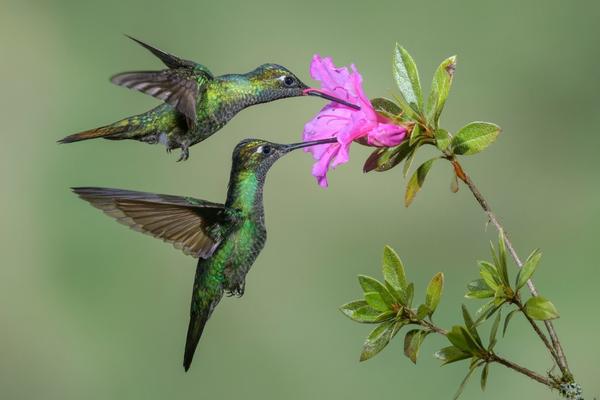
(289, 147)
(319, 93)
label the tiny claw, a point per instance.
(185, 154)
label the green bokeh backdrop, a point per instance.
(91, 310)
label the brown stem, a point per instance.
(525, 371)
(460, 173)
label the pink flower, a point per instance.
(343, 122)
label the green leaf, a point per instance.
(528, 268)
(440, 87)
(507, 320)
(423, 311)
(478, 289)
(451, 354)
(488, 310)
(397, 326)
(541, 309)
(502, 264)
(377, 340)
(474, 137)
(442, 139)
(470, 325)
(369, 284)
(415, 135)
(412, 343)
(416, 181)
(393, 269)
(407, 78)
(460, 337)
(494, 331)
(461, 388)
(434, 292)
(360, 311)
(410, 157)
(375, 300)
(484, 376)
(386, 108)
(410, 292)
(385, 158)
(490, 275)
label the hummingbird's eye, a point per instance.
(288, 81)
(266, 149)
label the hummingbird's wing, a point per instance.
(179, 86)
(194, 226)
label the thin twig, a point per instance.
(537, 330)
(460, 173)
(525, 371)
(491, 356)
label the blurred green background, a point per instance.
(92, 310)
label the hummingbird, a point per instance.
(196, 103)
(226, 238)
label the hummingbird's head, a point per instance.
(259, 155)
(277, 82)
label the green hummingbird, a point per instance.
(197, 103)
(226, 238)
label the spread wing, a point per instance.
(179, 86)
(194, 226)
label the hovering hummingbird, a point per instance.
(226, 238)
(197, 103)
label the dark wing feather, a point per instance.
(169, 60)
(176, 87)
(194, 226)
(179, 86)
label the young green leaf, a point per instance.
(407, 78)
(484, 376)
(541, 309)
(470, 325)
(490, 275)
(410, 293)
(528, 269)
(385, 158)
(415, 135)
(369, 284)
(377, 340)
(393, 269)
(460, 337)
(507, 320)
(502, 264)
(423, 311)
(451, 354)
(375, 300)
(434, 292)
(386, 108)
(442, 139)
(412, 343)
(416, 181)
(410, 157)
(494, 331)
(478, 289)
(461, 388)
(474, 137)
(360, 311)
(440, 87)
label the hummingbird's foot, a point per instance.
(185, 152)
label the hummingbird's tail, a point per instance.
(142, 127)
(206, 295)
(195, 329)
(119, 130)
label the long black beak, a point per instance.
(320, 93)
(294, 146)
